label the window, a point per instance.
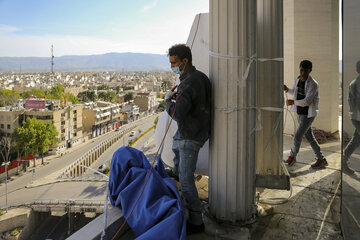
(63, 115)
(8, 126)
(75, 111)
(63, 139)
(2, 117)
(63, 130)
(75, 134)
(8, 118)
(2, 126)
(74, 119)
(62, 122)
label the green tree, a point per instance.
(118, 89)
(25, 136)
(87, 96)
(156, 120)
(6, 144)
(35, 137)
(103, 87)
(71, 98)
(8, 97)
(46, 135)
(57, 92)
(34, 92)
(129, 96)
(107, 96)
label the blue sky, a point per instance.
(79, 27)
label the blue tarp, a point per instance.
(159, 213)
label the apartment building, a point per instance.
(131, 111)
(146, 101)
(100, 117)
(67, 121)
(10, 119)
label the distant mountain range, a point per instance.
(81, 63)
(104, 62)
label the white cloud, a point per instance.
(148, 7)
(8, 29)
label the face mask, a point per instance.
(177, 69)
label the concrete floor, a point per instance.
(311, 212)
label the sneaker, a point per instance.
(346, 169)
(193, 229)
(171, 174)
(320, 163)
(291, 160)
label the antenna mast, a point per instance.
(52, 59)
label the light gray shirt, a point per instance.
(354, 99)
(311, 96)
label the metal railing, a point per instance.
(55, 202)
(78, 161)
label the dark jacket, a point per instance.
(192, 106)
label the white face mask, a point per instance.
(177, 69)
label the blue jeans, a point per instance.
(304, 128)
(186, 154)
(354, 142)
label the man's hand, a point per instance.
(289, 102)
(169, 95)
(286, 89)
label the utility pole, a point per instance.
(52, 59)
(6, 177)
(52, 65)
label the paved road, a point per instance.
(106, 157)
(73, 190)
(59, 191)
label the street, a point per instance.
(17, 192)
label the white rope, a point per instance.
(258, 125)
(251, 59)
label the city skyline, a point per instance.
(85, 28)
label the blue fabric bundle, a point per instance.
(159, 213)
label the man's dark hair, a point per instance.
(181, 51)
(306, 64)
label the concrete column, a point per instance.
(311, 31)
(269, 87)
(232, 145)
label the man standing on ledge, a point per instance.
(306, 93)
(192, 114)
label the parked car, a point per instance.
(101, 167)
(132, 134)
